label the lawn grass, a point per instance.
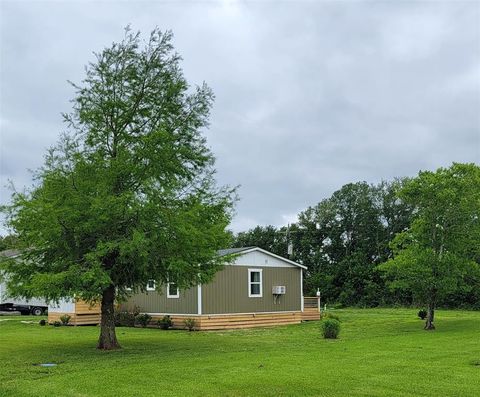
(381, 352)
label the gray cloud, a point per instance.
(309, 96)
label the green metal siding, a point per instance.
(228, 292)
(155, 302)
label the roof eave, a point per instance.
(274, 255)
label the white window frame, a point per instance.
(177, 295)
(151, 288)
(250, 295)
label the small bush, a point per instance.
(143, 319)
(125, 319)
(165, 323)
(330, 328)
(422, 314)
(57, 324)
(331, 316)
(190, 324)
(42, 322)
(65, 319)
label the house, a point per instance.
(258, 288)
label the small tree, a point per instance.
(441, 249)
(128, 194)
(330, 328)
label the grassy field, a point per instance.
(381, 352)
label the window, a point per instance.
(151, 285)
(255, 283)
(172, 291)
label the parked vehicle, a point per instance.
(32, 306)
(35, 308)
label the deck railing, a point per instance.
(311, 311)
(310, 302)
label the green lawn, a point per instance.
(381, 352)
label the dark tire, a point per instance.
(37, 311)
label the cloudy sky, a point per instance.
(309, 95)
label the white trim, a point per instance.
(177, 295)
(199, 299)
(172, 314)
(250, 295)
(219, 314)
(154, 286)
(271, 254)
(302, 303)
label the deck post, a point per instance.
(199, 299)
(318, 299)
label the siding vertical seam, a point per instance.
(301, 290)
(199, 298)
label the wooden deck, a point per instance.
(237, 321)
(90, 315)
(209, 322)
(310, 310)
(84, 314)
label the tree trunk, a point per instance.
(430, 316)
(108, 337)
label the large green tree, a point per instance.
(345, 236)
(128, 194)
(267, 237)
(440, 251)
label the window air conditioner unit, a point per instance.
(278, 290)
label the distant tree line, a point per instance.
(344, 238)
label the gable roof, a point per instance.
(245, 250)
(230, 251)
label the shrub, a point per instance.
(330, 328)
(126, 318)
(65, 319)
(42, 322)
(165, 323)
(57, 324)
(422, 314)
(143, 319)
(190, 324)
